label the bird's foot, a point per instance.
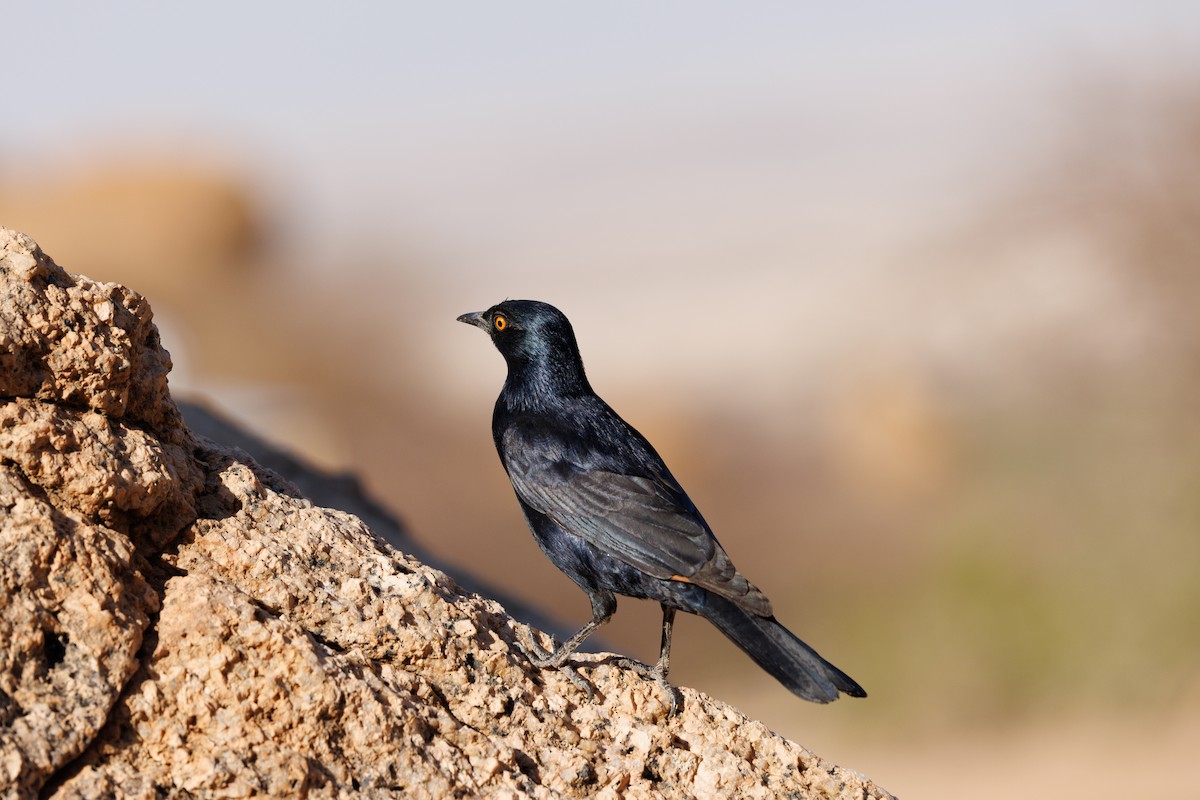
(659, 676)
(542, 659)
(581, 683)
(672, 694)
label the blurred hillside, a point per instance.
(915, 325)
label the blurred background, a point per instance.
(905, 294)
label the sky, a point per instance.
(414, 105)
(776, 155)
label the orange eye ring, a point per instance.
(501, 323)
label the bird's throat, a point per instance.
(542, 383)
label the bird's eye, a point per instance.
(501, 323)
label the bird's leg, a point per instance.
(664, 659)
(664, 651)
(604, 605)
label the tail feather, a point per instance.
(778, 651)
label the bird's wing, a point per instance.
(645, 521)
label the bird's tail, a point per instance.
(777, 650)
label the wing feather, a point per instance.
(645, 521)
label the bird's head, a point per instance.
(533, 337)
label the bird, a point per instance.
(607, 512)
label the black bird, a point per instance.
(605, 509)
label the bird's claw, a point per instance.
(542, 659)
(538, 657)
(581, 683)
(658, 675)
(670, 691)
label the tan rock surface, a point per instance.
(179, 621)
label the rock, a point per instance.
(74, 341)
(181, 621)
(345, 491)
(93, 469)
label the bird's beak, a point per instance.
(475, 318)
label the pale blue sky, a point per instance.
(546, 148)
(346, 97)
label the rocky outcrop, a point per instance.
(180, 621)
